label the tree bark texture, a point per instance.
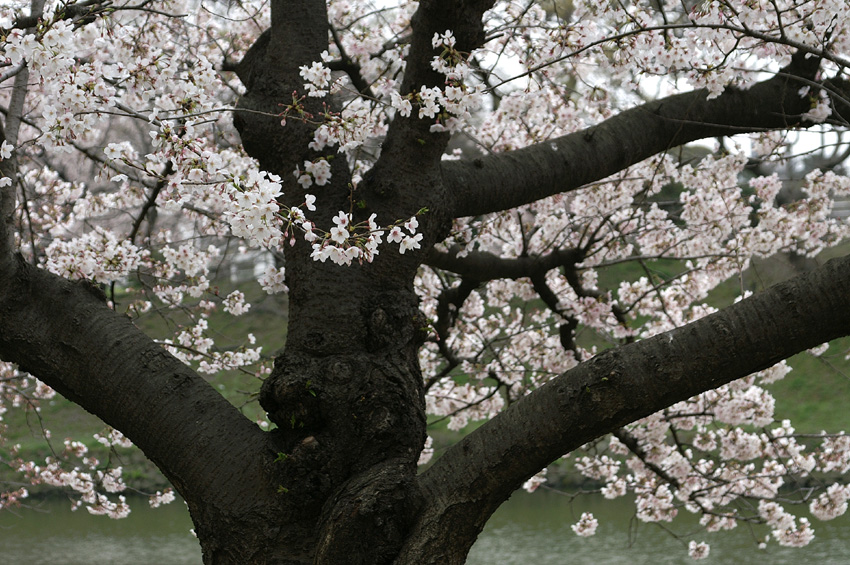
(336, 481)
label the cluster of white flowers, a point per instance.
(346, 242)
(6, 150)
(318, 78)
(235, 303)
(193, 345)
(159, 498)
(586, 526)
(451, 106)
(86, 479)
(534, 482)
(427, 451)
(113, 438)
(832, 503)
(351, 128)
(698, 550)
(318, 172)
(253, 215)
(821, 108)
(752, 405)
(273, 280)
(785, 529)
(98, 255)
(598, 468)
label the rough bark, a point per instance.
(347, 393)
(64, 333)
(336, 481)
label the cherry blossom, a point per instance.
(586, 526)
(698, 550)
(132, 177)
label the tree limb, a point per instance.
(82, 12)
(505, 180)
(63, 333)
(410, 139)
(485, 266)
(350, 67)
(617, 387)
(634, 446)
(270, 71)
(7, 208)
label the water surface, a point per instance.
(528, 529)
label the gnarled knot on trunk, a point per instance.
(387, 321)
(292, 401)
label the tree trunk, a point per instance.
(347, 397)
(336, 480)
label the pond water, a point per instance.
(52, 534)
(536, 530)
(527, 529)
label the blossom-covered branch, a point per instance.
(626, 383)
(505, 180)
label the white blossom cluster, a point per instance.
(450, 107)
(318, 78)
(74, 466)
(152, 117)
(586, 526)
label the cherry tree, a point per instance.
(449, 194)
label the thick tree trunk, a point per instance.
(336, 481)
(347, 397)
(347, 393)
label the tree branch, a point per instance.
(617, 387)
(9, 167)
(7, 209)
(82, 12)
(350, 67)
(485, 266)
(150, 202)
(505, 180)
(632, 444)
(410, 140)
(63, 333)
(270, 71)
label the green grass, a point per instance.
(815, 396)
